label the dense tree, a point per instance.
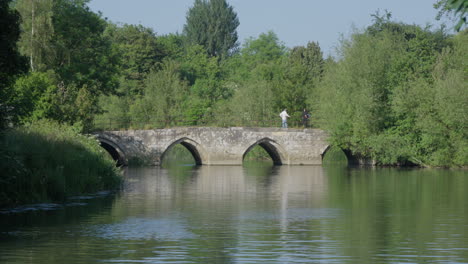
(212, 24)
(302, 71)
(137, 47)
(89, 61)
(251, 105)
(34, 96)
(255, 77)
(65, 39)
(259, 58)
(384, 100)
(164, 95)
(204, 75)
(267, 47)
(11, 63)
(172, 45)
(310, 58)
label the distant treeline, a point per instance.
(395, 93)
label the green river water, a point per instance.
(251, 214)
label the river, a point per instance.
(252, 214)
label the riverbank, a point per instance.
(46, 161)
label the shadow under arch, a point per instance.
(114, 150)
(191, 145)
(351, 159)
(272, 148)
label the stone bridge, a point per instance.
(217, 146)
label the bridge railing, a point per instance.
(119, 124)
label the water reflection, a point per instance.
(257, 214)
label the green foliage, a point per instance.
(335, 156)
(258, 153)
(138, 49)
(212, 24)
(301, 72)
(392, 96)
(90, 61)
(254, 74)
(11, 63)
(455, 8)
(204, 74)
(251, 105)
(139, 54)
(34, 97)
(308, 62)
(164, 95)
(49, 33)
(172, 45)
(257, 54)
(116, 111)
(396, 94)
(37, 97)
(82, 70)
(45, 161)
(176, 156)
(37, 32)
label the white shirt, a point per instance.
(284, 115)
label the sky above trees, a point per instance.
(295, 22)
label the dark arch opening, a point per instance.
(352, 159)
(337, 155)
(119, 159)
(190, 147)
(193, 151)
(269, 148)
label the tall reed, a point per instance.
(47, 161)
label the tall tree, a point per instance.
(11, 63)
(83, 55)
(140, 53)
(310, 60)
(392, 96)
(65, 39)
(259, 58)
(212, 24)
(37, 31)
(164, 94)
(138, 48)
(302, 72)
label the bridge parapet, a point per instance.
(220, 146)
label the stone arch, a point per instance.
(114, 150)
(192, 146)
(324, 150)
(273, 149)
(352, 160)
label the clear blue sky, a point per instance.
(296, 22)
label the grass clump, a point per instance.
(47, 161)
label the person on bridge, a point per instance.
(305, 118)
(284, 118)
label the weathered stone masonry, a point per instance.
(217, 146)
